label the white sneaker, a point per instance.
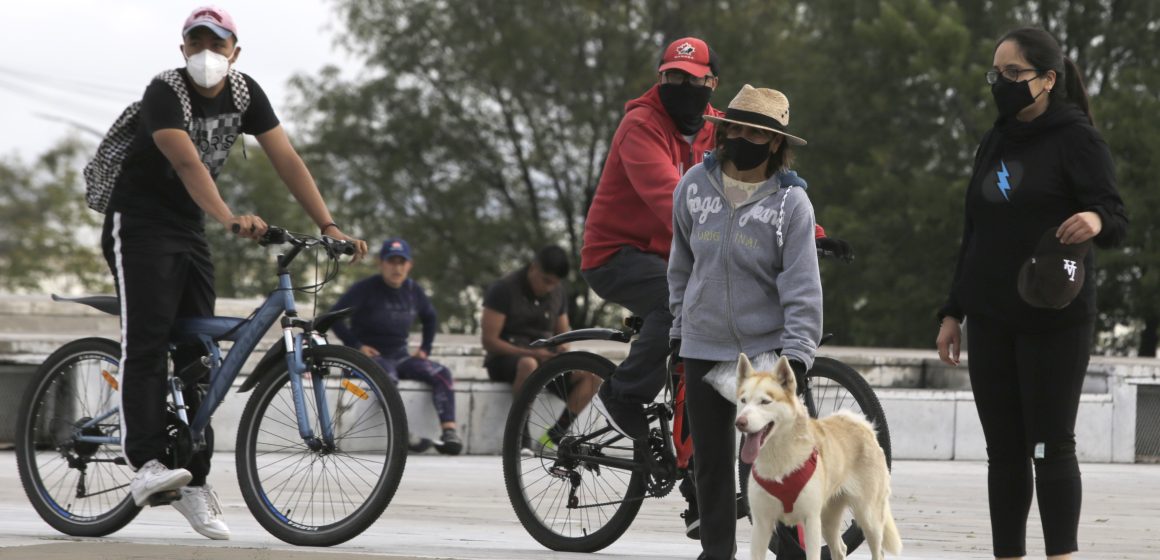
(203, 510)
(154, 477)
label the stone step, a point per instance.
(924, 423)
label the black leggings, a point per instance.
(711, 418)
(1027, 388)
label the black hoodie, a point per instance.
(1028, 177)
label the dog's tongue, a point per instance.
(750, 445)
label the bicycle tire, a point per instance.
(784, 542)
(579, 534)
(276, 467)
(74, 383)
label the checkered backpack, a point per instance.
(101, 173)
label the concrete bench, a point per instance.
(929, 405)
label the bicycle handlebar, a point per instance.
(278, 236)
(832, 248)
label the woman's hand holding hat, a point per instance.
(1079, 228)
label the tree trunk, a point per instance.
(1148, 337)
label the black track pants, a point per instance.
(162, 273)
(711, 419)
(638, 281)
(1027, 388)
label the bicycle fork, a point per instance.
(296, 365)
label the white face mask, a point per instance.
(207, 68)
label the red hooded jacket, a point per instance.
(634, 200)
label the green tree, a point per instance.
(49, 239)
(478, 130)
(1115, 45)
(890, 97)
(481, 131)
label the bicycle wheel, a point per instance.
(311, 497)
(834, 386)
(564, 500)
(79, 488)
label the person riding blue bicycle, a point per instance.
(154, 242)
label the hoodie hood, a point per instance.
(1056, 116)
(784, 177)
(651, 101)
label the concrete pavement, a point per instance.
(456, 508)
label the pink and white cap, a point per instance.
(213, 17)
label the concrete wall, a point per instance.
(929, 406)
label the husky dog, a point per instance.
(808, 471)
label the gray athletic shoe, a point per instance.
(203, 510)
(418, 444)
(450, 443)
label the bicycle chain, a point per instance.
(660, 485)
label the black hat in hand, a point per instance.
(1054, 274)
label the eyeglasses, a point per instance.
(676, 77)
(755, 135)
(1009, 74)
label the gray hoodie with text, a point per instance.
(744, 279)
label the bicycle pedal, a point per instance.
(164, 498)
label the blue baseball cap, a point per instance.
(395, 247)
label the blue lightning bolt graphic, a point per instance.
(1004, 186)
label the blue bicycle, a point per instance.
(321, 444)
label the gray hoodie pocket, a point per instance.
(705, 310)
(756, 310)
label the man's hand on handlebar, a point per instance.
(360, 246)
(834, 247)
(248, 226)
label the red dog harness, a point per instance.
(790, 486)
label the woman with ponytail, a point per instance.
(1042, 191)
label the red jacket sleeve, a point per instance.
(645, 154)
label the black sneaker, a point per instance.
(742, 506)
(418, 444)
(626, 418)
(449, 443)
(692, 523)
(693, 520)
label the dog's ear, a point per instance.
(783, 372)
(744, 368)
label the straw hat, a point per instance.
(767, 109)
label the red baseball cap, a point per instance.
(690, 55)
(212, 17)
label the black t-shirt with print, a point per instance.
(148, 185)
(528, 317)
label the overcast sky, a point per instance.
(84, 61)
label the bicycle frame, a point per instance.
(669, 411)
(245, 339)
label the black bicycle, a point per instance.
(579, 491)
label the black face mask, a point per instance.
(744, 154)
(685, 103)
(1012, 97)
